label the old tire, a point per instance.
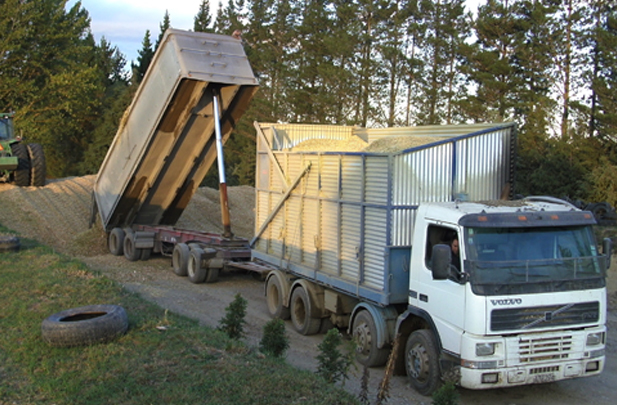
(195, 272)
(115, 241)
(38, 167)
(275, 299)
(145, 254)
(301, 319)
(22, 173)
(365, 336)
(131, 253)
(85, 325)
(180, 259)
(9, 244)
(422, 362)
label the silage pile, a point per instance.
(356, 144)
(58, 214)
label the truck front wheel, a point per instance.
(301, 313)
(115, 241)
(365, 337)
(422, 362)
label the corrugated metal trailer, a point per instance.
(166, 141)
(345, 218)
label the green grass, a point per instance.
(184, 364)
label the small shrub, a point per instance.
(446, 395)
(333, 365)
(274, 341)
(233, 322)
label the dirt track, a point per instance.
(58, 216)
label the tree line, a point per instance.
(549, 65)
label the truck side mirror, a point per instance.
(607, 249)
(441, 258)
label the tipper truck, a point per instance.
(363, 239)
(195, 90)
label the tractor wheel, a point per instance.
(38, 168)
(22, 173)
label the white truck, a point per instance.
(361, 240)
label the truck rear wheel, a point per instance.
(115, 242)
(275, 299)
(422, 362)
(365, 337)
(38, 168)
(131, 253)
(196, 273)
(301, 313)
(180, 259)
(22, 173)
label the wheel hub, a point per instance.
(418, 362)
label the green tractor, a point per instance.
(20, 163)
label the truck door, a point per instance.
(444, 300)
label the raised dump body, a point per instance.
(165, 144)
(337, 205)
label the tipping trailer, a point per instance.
(195, 90)
(365, 239)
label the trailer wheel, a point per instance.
(365, 336)
(422, 362)
(212, 274)
(38, 169)
(22, 173)
(85, 325)
(115, 241)
(195, 272)
(145, 254)
(275, 299)
(130, 251)
(301, 313)
(180, 259)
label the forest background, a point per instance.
(548, 65)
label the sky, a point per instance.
(123, 23)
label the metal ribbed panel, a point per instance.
(446, 131)
(310, 231)
(310, 182)
(277, 230)
(352, 178)
(351, 221)
(293, 169)
(375, 238)
(293, 230)
(377, 176)
(276, 183)
(402, 222)
(329, 237)
(329, 176)
(261, 213)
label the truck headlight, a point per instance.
(487, 349)
(594, 339)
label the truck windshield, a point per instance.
(530, 260)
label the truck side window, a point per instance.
(445, 236)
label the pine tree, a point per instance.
(162, 28)
(144, 59)
(203, 20)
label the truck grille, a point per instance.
(548, 316)
(533, 350)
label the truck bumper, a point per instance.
(8, 162)
(536, 374)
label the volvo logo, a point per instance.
(507, 302)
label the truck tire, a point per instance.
(145, 254)
(301, 313)
(85, 325)
(365, 336)
(180, 259)
(212, 275)
(131, 253)
(9, 243)
(195, 272)
(422, 362)
(115, 242)
(275, 299)
(22, 173)
(38, 168)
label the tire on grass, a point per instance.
(85, 326)
(9, 243)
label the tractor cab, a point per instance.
(6, 126)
